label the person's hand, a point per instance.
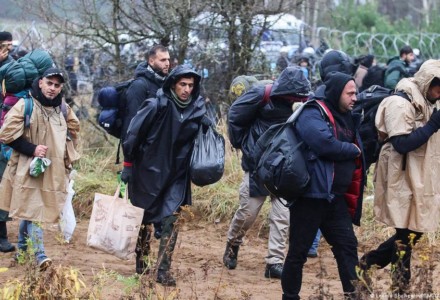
(359, 149)
(40, 151)
(3, 53)
(126, 174)
(435, 119)
(206, 122)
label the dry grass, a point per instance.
(214, 203)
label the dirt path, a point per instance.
(197, 265)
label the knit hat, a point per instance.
(334, 85)
(5, 36)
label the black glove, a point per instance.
(126, 174)
(435, 119)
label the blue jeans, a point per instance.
(315, 245)
(33, 232)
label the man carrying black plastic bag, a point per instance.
(157, 152)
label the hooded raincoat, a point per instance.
(159, 143)
(249, 117)
(408, 198)
(41, 198)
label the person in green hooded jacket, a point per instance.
(398, 67)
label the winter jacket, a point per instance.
(396, 70)
(159, 144)
(145, 85)
(7, 60)
(249, 118)
(322, 150)
(41, 198)
(408, 198)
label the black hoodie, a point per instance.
(345, 129)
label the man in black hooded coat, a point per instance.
(157, 153)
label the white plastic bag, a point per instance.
(67, 220)
(38, 166)
(114, 225)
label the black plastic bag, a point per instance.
(208, 157)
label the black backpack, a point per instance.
(113, 100)
(279, 159)
(367, 104)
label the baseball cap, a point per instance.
(54, 72)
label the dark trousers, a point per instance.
(387, 252)
(3, 231)
(306, 217)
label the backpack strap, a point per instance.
(28, 108)
(324, 109)
(266, 96)
(405, 156)
(63, 108)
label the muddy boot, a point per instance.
(231, 255)
(142, 250)
(164, 277)
(166, 248)
(273, 270)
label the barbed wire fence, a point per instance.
(383, 46)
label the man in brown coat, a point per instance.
(52, 133)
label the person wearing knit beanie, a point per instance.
(5, 47)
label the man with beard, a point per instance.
(398, 67)
(334, 198)
(52, 133)
(157, 152)
(149, 77)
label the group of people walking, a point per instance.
(164, 114)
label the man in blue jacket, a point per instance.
(334, 199)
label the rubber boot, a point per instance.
(231, 255)
(166, 248)
(143, 250)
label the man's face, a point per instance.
(160, 62)
(183, 88)
(408, 57)
(348, 97)
(433, 94)
(6, 45)
(50, 87)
